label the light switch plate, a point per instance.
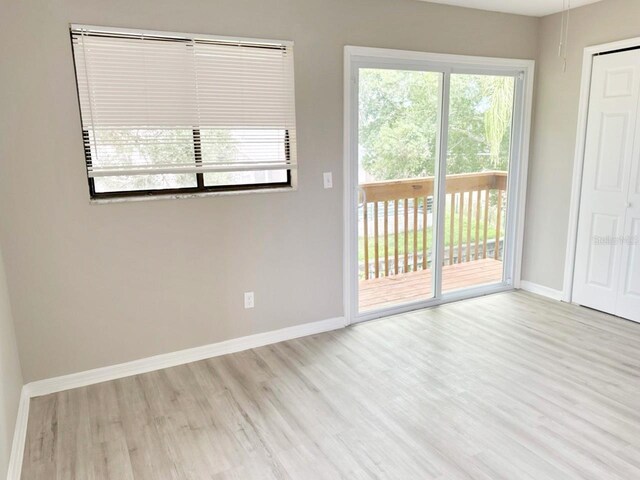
(328, 180)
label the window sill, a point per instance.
(177, 196)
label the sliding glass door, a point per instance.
(397, 156)
(433, 150)
(477, 169)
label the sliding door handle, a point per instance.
(363, 195)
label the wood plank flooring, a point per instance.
(509, 386)
(406, 287)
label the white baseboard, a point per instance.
(158, 362)
(19, 436)
(541, 290)
(144, 365)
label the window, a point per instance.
(175, 113)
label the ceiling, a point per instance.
(536, 8)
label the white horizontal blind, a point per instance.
(179, 104)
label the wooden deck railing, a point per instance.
(397, 221)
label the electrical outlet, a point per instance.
(248, 300)
(328, 179)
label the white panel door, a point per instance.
(609, 160)
(628, 302)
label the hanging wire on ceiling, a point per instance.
(564, 32)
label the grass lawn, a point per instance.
(491, 234)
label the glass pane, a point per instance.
(245, 178)
(244, 146)
(398, 133)
(132, 183)
(247, 145)
(128, 147)
(479, 143)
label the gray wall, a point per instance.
(10, 375)
(94, 285)
(555, 126)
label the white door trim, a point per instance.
(355, 56)
(578, 161)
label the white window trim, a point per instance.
(182, 196)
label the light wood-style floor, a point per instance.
(406, 287)
(509, 386)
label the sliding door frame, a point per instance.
(356, 58)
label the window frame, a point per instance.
(200, 189)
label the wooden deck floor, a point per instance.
(379, 292)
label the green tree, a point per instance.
(498, 118)
(398, 117)
(399, 123)
(127, 147)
